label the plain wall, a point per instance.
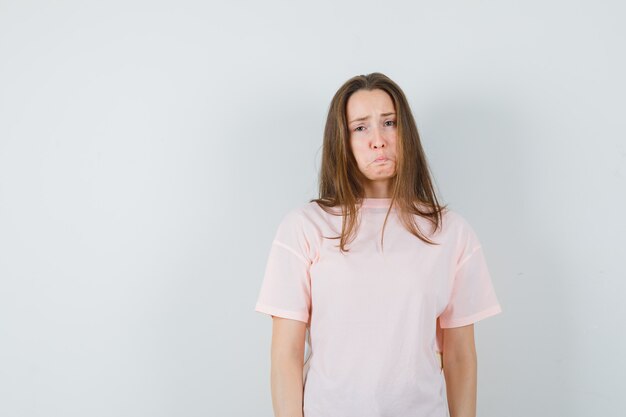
(148, 150)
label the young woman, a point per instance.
(380, 281)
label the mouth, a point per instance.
(381, 159)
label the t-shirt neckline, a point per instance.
(372, 202)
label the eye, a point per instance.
(359, 128)
(390, 123)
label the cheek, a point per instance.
(360, 153)
(393, 142)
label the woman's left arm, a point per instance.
(459, 368)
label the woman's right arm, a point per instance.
(287, 361)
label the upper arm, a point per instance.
(288, 338)
(286, 288)
(472, 296)
(458, 344)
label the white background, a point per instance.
(148, 150)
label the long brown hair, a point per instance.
(340, 178)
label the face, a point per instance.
(373, 133)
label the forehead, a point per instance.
(365, 102)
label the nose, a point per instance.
(378, 141)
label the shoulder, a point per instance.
(302, 213)
(312, 213)
(456, 224)
(461, 231)
(305, 218)
(453, 219)
(299, 230)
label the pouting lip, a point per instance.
(380, 158)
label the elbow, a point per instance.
(466, 359)
(462, 356)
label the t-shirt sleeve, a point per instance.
(286, 287)
(473, 297)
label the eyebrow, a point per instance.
(360, 119)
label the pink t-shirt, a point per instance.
(374, 317)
